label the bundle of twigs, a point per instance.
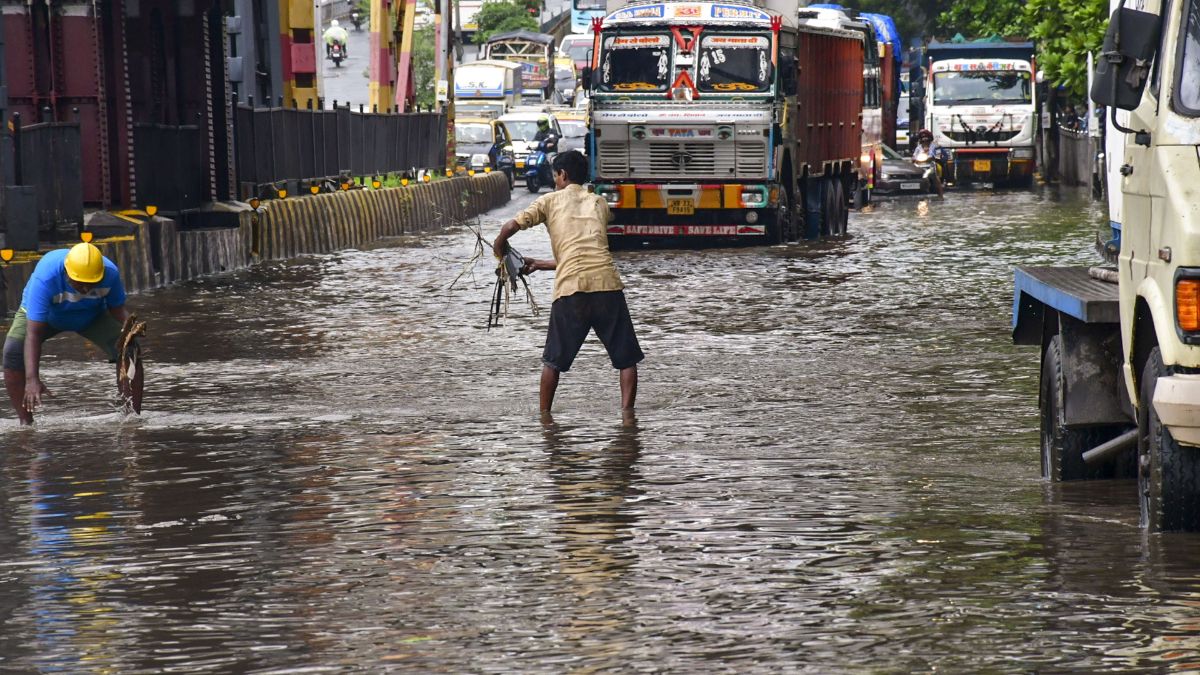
(129, 363)
(510, 271)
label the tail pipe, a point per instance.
(1107, 450)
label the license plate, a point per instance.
(910, 186)
(680, 207)
(520, 164)
(981, 165)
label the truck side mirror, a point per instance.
(1126, 57)
(586, 76)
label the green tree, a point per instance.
(501, 16)
(1065, 31)
(915, 19)
(423, 65)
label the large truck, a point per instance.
(724, 122)
(980, 102)
(487, 88)
(1120, 346)
(534, 52)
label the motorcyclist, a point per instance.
(545, 133)
(928, 146)
(335, 34)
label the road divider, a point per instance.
(157, 252)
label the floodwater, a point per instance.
(833, 468)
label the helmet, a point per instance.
(543, 122)
(85, 264)
(924, 135)
(333, 24)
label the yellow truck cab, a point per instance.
(1120, 380)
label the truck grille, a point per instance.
(988, 137)
(681, 159)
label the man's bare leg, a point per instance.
(14, 383)
(629, 381)
(549, 385)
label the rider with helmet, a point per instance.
(335, 34)
(545, 133)
(76, 290)
(929, 147)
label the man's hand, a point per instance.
(530, 266)
(34, 391)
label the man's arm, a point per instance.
(35, 334)
(119, 313)
(500, 245)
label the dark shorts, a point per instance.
(571, 318)
(103, 332)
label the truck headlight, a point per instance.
(1022, 153)
(611, 197)
(754, 198)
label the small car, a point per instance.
(899, 176)
(481, 144)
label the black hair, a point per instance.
(574, 163)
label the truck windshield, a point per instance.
(735, 63)
(981, 87)
(633, 63)
(1188, 88)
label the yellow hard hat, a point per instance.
(85, 264)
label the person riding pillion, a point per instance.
(588, 293)
(335, 34)
(76, 290)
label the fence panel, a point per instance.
(169, 165)
(51, 159)
(278, 144)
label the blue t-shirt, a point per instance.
(50, 298)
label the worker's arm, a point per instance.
(35, 334)
(535, 264)
(500, 245)
(119, 313)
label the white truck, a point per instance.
(1120, 377)
(487, 88)
(980, 103)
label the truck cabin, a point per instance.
(685, 52)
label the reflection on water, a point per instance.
(833, 468)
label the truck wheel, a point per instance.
(828, 209)
(841, 210)
(786, 219)
(1168, 475)
(1063, 448)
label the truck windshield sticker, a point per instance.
(647, 12)
(734, 63)
(982, 88)
(740, 13)
(635, 63)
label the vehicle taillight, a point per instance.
(1187, 304)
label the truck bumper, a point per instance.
(653, 211)
(991, 165)
(1177, 401)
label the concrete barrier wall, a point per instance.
(159, 253)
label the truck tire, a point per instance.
(828, 208)
(1063, 448)
(1168, 474)
(841, 210)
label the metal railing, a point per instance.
(280, 144)
(169, 166)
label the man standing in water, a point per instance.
(76, 290)
(588, 293)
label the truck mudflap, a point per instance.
(1177, 401)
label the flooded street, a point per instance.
(833, 468)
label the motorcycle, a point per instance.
(537, 165)
(337, 54)
(356, 19)
(931, 169)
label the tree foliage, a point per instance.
(915, 19)
(501, 16)
(424, 65)
(1064, 30)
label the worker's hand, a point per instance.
(34, 391)
(530, 266)
(499, 250)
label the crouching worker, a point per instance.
(588, 293)
(76, 290)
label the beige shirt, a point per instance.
(578, 224)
